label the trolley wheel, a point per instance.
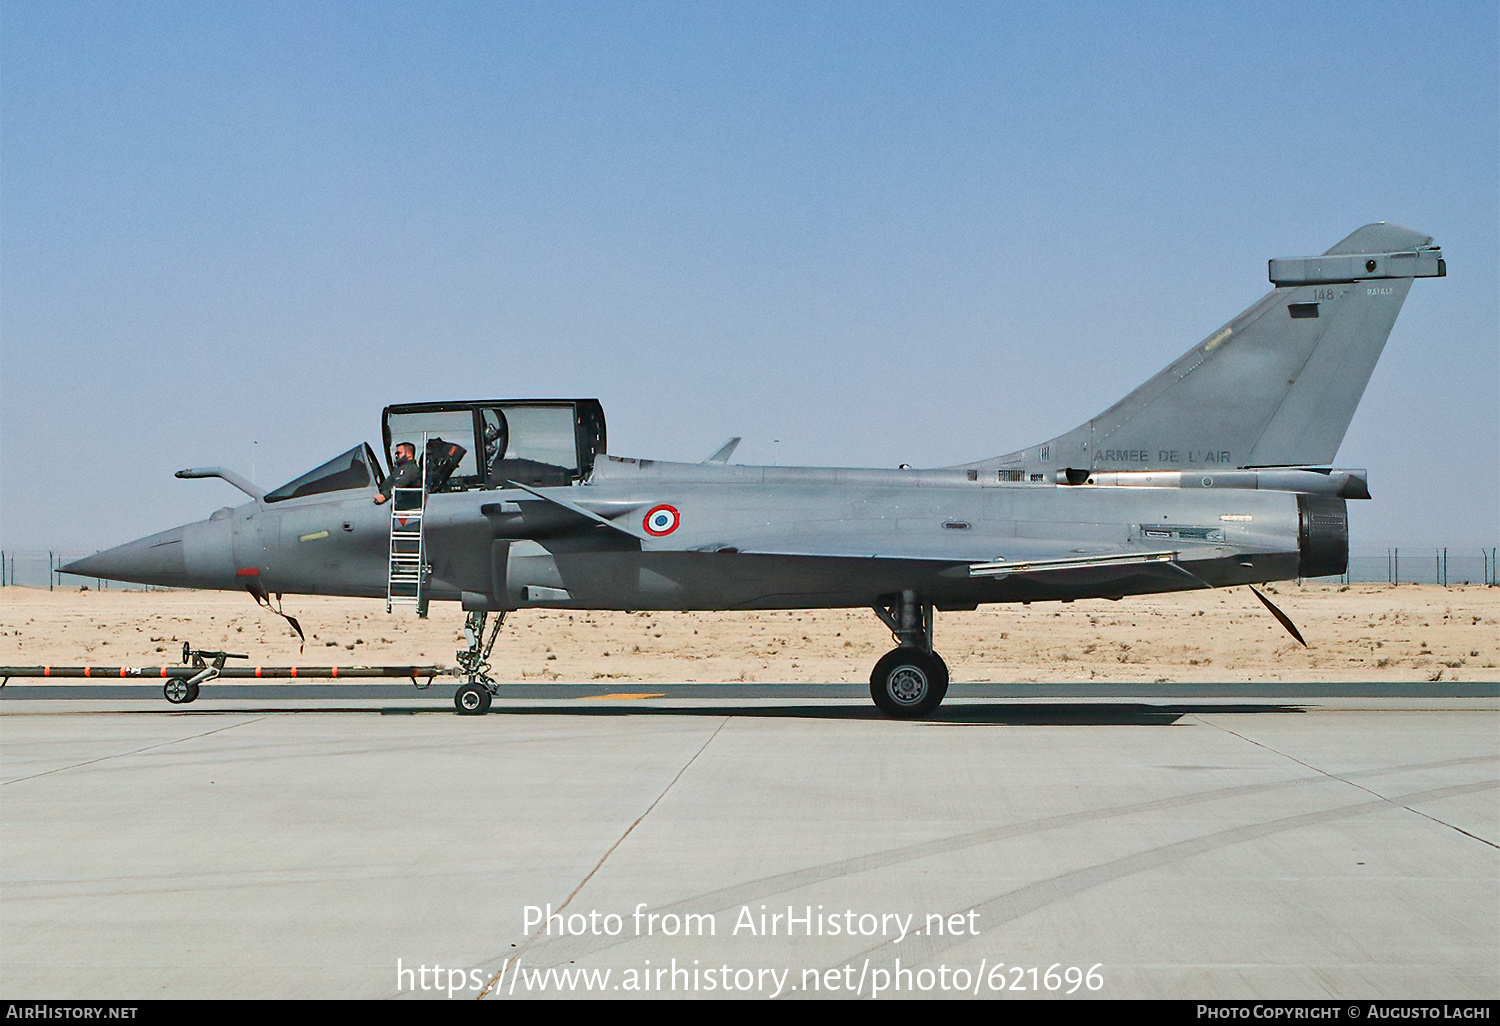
(178, 691)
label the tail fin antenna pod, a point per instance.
(1275, 387)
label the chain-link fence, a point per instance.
(39, 569)
(1445, 566)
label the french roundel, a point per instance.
(661, 520)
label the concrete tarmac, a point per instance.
(1185, 844)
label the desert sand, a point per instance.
(1361, 632)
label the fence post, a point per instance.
(51, 577)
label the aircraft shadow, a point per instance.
(952, 714)
(957, 714)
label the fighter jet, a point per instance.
(1216, 472)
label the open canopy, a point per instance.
(535, 442)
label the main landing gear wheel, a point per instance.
(472, 700)
(179, 691)
(909, 683)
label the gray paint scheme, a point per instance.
(1265, 390)
(1160, 492)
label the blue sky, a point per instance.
(855, 234)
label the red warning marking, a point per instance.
(248, 571)
(661, 520)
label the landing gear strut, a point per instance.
(474, 695)
(911, 680)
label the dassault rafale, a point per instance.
(1216, 472)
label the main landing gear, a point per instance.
(474, 695)
(911, 680)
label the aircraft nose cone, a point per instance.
(154, 560)
(191, 556)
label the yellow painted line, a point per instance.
(312, 537)
(599, 698)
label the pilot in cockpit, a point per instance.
(404, 474)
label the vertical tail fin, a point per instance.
(1275, 387)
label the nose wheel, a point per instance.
(472, 700)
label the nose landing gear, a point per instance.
(475, 694)
(911, 680)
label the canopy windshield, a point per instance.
(354, 469)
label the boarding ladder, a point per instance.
(406, 578)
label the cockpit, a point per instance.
(356, 468)
(473, 445)
(476, 445)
